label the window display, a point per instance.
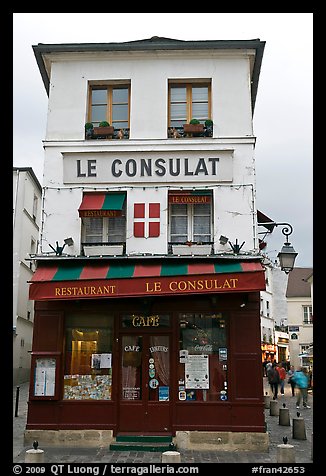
(202, 357)
(88, 357)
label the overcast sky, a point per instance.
(283, 112)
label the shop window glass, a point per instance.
(203, 357)
(88, 357)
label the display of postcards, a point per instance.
(95, 387)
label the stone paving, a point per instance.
(303, 448)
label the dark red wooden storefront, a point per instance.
(154, 399)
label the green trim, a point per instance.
(120, 271)
(172, 269)
(114, 201)
(228, 268)
(68, 273)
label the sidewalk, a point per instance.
(104, 455)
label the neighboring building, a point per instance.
(268, 347)
(275, 339)
(27, 194)
(300, 316)
(148, 280)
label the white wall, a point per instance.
(229, 72)
(148, 73)
(25, 229)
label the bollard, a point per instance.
(171, 457)
(298, 428)
(17, 401)
(285, 454)
(267, 400)
(284, 416)
(274, 410)
(34, 456)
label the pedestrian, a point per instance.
(264, 368)
(301, 379)
(268, 366)
(290, 380)
(282, 374)
(273, 380)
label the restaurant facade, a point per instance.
(147, 304)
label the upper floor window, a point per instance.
(307, 314)
(109, 103)
(190, 217)
(103, 219)
(189, 101)
(190, 109)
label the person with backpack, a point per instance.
(301, 380)
(273, 380)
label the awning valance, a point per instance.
(103, 204)
(110, 278)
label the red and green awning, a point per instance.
(100, 204)
(111, 278)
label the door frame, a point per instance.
(141, 413)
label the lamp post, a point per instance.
(287, 255)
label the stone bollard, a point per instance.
(274, 410)
(285, 454)
(267, 400)
(171, 457)
(298, 428)
(284, 416)
(34, 456)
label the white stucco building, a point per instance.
(147, 304)
(27, 193)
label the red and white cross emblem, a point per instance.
(146, 220)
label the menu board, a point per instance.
(196, 371)
(44, 382)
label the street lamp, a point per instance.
(287, 255)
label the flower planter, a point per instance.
(106, 131)
(103, 250)
(191, 250)
(193, 129)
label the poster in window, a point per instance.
(101, 361)
(44, 382)
(196, 371)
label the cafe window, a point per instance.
(190, 218)
(203, 357)
(88, 357)
(188, 101)
(109, 103)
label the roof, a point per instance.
(155, 43)
(297, 283)
(30, 171)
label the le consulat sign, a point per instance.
(147, 167)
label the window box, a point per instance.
(194, 249)
(103, 250)
(193, 129)
(106, 131)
